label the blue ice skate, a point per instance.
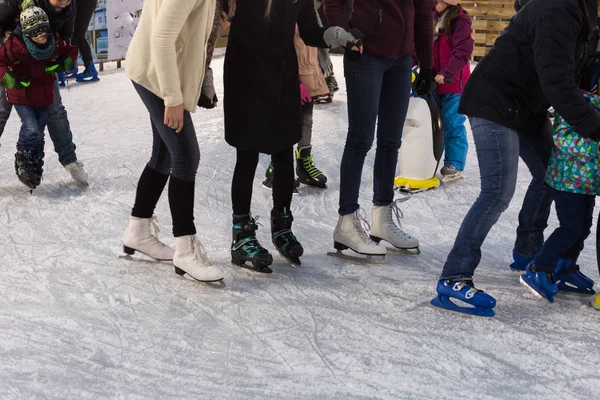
(89, 74)
(570, 279)
(540, 283)
(62, 79)
(72, 73)
(520, 263)
(482, 305)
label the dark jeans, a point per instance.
(58, 126)
(378, 91)
(243, 179)
(85, 12)
(174, 154)
(33, 124)
(498, 150)
(575, 213)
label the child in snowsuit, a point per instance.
(574, 174)
(452, 49)
(312, 87)
(29, 60)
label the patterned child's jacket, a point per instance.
(574, 164)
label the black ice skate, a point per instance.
(283, 238)
(268, 182)
(246, 251)
(28, 168)
(332, 83)
(307, 171)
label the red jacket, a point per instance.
(15, 57)
(393, 28)
(452, 54)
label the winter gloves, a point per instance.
(12, 81)
(208, 96)
(424, 84)
(305, 97)
(60, 66)
(338, 37)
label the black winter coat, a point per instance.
(262, 94)
(535, 64)
(62, 22)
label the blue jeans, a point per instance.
(378, 91)
(575, 213)
(33, 123)
(58, 125)
(498, 150)
(455, 133)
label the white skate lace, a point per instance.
(362, 225)
(198, 252)
(396, 213)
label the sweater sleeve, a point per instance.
(554, 41)
(335, 11)
(167, 27)
(462, 48)
(68, 27)
(424, 33)
(308, 26)
(5, 58)
(9, 14)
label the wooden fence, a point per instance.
(489, 17)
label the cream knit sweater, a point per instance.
(167, 54)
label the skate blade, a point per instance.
(127, 257)
(574, 291)
(368, 259)
(293, 262)
(451, 178)
(261, 269)
(445, 304)
(533, 291)
(215, 284)
(407, 252)
(412, 191)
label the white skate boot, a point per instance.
(384, 228)
(190, 258)
(141, 235)
(78, 172)
(351, 234)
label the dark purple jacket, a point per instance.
(393, 28)
(452, 54)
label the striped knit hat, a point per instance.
(34, 21)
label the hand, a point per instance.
(439, 79)
(305, 97)
(224, 23)
(12, 81)
(424, 83)
(174, 118)
(59, 66)
(206, 102)
(338, 37)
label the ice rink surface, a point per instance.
(79, 322)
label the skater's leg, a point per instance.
(535, 150)
(497, 150)
(283, 179)
(364, 82)
(307, 125)
(573, 214)
(85, 11)
(29, 133)
(243, 179)
(455, 133)
(60, 130)
(577, 248)
(5, 109)
(393, 106)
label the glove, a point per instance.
(12, 81)
(208, 96)
(338, 37)
(424, 83)
(305, 97)
(59, 66)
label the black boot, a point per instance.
(283, 238)
(268, 182)
(29, 169)
(245, 246)
(306, 170)
(332, 83)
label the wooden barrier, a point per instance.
(489, 17)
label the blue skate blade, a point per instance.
(563, 287)
(445, 303)
(526, 281)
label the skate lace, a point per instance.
(362, 226)
(198, 252)
(310, 167)
(397, 215)
(460, 285)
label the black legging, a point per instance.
(85, 11)
(243, 179)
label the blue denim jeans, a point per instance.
(58, 125)
(498, 150)
(33, 124)
(576, 214)
(378, 92)
(455, 133)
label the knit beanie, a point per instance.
(34, 21)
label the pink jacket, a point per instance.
(309, 69)
(452, 55)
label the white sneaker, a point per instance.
(78, 172)
(351, 233)
(190, 258)
(383, 226)
(141, 235)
